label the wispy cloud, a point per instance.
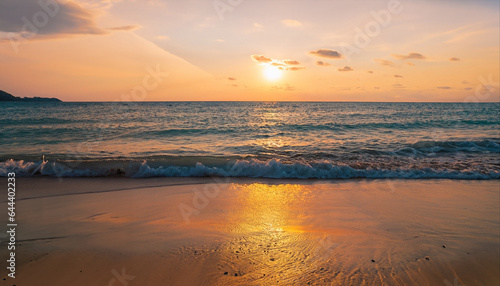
(444, 87)
(289, 65)
(261, 59)
(410, 56)
(97, 4)
(458, 34)
(126, 28)
(465, 35)
(346, 68)
(285, 87)
(256, 28)
(453, 59)
(397, 75)
(326, 53)
(384, 62)
(291, 62)
(291, 23)
(322, 63)
(295, 68)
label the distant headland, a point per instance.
(5, 96)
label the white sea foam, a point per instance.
(243, 168)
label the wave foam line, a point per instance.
(242, 168)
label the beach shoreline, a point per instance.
(219, 231)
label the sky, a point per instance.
(248, 50)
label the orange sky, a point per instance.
(395, 50)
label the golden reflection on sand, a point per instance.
(268, 208)
(270, 245)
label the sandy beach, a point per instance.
(166, 231)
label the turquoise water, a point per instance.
(252, 139)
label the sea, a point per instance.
(300, 140)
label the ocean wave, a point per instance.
(252, 168)
(396, 125)
(489, 144)
(483, 146)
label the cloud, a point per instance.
(289, 65)
(286, 87)
(458, 34)
(444, 87)
(261, 59)
(256, 27)
(410, 56)
(126, 28)
(454, 59)
(398, 85)
(369, 71)
(231, 78)
(468, 88)
(321, 63)
(285, 67)
(385, 62)
(291, 23)
(346, 68)
(97, 4)
(326, 53)
(410, 64)
(397, 75)
(59, 18)
(295, 68)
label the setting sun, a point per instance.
(272, 73)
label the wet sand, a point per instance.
(173, 231)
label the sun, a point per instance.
(272, 73)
